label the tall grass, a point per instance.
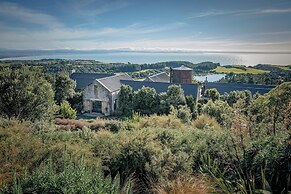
(70, 177)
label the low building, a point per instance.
(84, 79)
(228, 87)
(160, 77)
(101, 95)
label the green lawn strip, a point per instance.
(236, 70)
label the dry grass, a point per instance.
(156, 121)
(185, 184)
(98, 124)
(22, 148)
(19, 150)
(206, 122)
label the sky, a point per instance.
(147, 25)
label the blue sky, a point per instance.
(158, 25)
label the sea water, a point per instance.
(248, 59)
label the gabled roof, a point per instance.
(189, 89)
(182, 68)
(112, 83)
(160, 77)
(84, 79)
(228, 87)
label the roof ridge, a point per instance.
(158, 74)
(112, 76)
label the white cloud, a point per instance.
(94, 7)
(18, 12)
(214, 12)
(67, 34)
(288, 10)
(88, 40)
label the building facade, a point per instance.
(101, 95)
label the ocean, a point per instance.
(248, 59)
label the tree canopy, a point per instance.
(146, 100)
(125, 104)
(212, 94)
(64, 87)
(26, 94)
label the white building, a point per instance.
(101, 95)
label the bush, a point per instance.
(184, 114)
(272, 156)
(66, 111)
(220, 110)
(159, 154)
(206, 122)
(19, 149)
(26, 94)
(69, 178)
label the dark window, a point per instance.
(115, 104)
(97, 106)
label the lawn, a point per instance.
(287, 68)
(239, 70)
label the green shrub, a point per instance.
(70, 177)
(66, 111)
(26, 94)
(159, 154)
(220, 110)
(184, 113)
(272, 154)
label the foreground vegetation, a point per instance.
(146, 154)
(237, 144)
(164, 143)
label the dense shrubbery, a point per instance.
(146, 101)
(26, 94)
(240, 142)
(153, 151)
(69, 177)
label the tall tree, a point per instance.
(26, 94)
(64, 87)
(125, 104)
(176, 96)
(191, 103)
(146, 101)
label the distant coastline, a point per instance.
(148, 56)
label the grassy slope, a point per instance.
(221, 69)
(285, 68)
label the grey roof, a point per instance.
(189, 89)
(160, 77)
(228, 87)
(112, 83)
(84, 79)
(182, 68)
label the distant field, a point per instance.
(285, 68)
(238, 70)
